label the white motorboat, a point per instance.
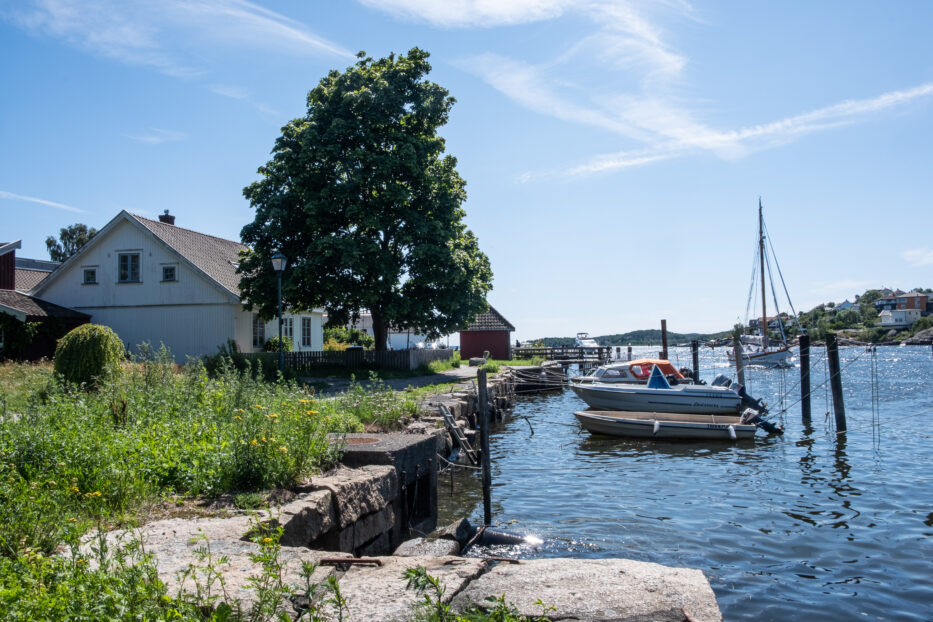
(636, 371)
(666, 426)
(658, 395)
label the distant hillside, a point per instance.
(636, 338)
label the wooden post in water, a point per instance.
(835, 381)
(695, 350)
(664, 339)
(739, 358)
(804, 344)
(484, 445)
(630, 353)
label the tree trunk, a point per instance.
(380, 331)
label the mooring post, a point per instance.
(484, 444)
(630, 353)
(664, 339)
(739, 358)
(695, 350)
(835, 381)
(803, 343)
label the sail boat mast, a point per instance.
(761, 255)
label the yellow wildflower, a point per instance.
(263, 439)
(259, 406)
(272, 416)
(311, 412)
(75, 489)
(238, 417)
(254, 442)
(283, 449)
(267, 540)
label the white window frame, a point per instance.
(306, 338)
(92, 270)
(288, 328)
(259, 332)
(174, 270)
(129, 268)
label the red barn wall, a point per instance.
(474, 342)
(8, 270)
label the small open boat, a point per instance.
(637, 372)
(667, 426)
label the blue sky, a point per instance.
(614, 152)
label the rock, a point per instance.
(358, 492)
(423, 547)
(460, 531)
(379, 593)
(307, 517)
(924, 337)
(596, 589)
(184, 550)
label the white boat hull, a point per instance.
(772, 358)
(697, 399)
(666, 426)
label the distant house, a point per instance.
(489, 332)
(845, 304)
(774, 321)
(29, 326)
(395, 339)
(151, 281)
(898, 318)
(912, 300)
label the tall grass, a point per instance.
(70, 457)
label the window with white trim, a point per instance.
(169, 273)
(306, 332)
(259, 332)
(288, 328)
(90, 276)
(128, 268)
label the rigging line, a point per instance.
(751, 286)
(781, 276)
(777, 308)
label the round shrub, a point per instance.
(84, 354)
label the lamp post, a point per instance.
(278, 264)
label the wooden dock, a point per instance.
(567, 354)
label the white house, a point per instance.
(898, 318)
(395, 339)
(152, 281)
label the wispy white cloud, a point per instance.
(157, 136)
(227, 90)
(169, 35)
(918, 256)
(620, 78)
(19, 197)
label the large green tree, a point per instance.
(70, 241)
(361, 199)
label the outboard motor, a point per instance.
(748, 401)
(751, 416)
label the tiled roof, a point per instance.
(27, 279)
(36, 308)
(491, 320)
(217, 257)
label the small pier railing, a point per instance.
(601, 353)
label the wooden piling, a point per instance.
(484, 444)
(664, 339)
(835, 381)
(739, 358)
(630, 353)
(804, 344)
(695, 350)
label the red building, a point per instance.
(489, 332)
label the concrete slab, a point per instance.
(597, 589)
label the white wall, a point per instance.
(317, 331)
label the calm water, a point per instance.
(785, 528)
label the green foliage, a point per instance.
(72, 238)
(921, 324)
(359, 191)
(635, 338)
(349, 336)
(432, 607)
(435, 367)
(377, 403)
(491, 367)
(87, 353)
(272, 344)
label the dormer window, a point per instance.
(128, 267)
(169, 273)
(90, 276)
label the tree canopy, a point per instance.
(361, 199)
(70, 241)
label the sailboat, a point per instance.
(763, 351)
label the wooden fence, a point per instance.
(398, 360)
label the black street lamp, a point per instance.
(278, 264)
